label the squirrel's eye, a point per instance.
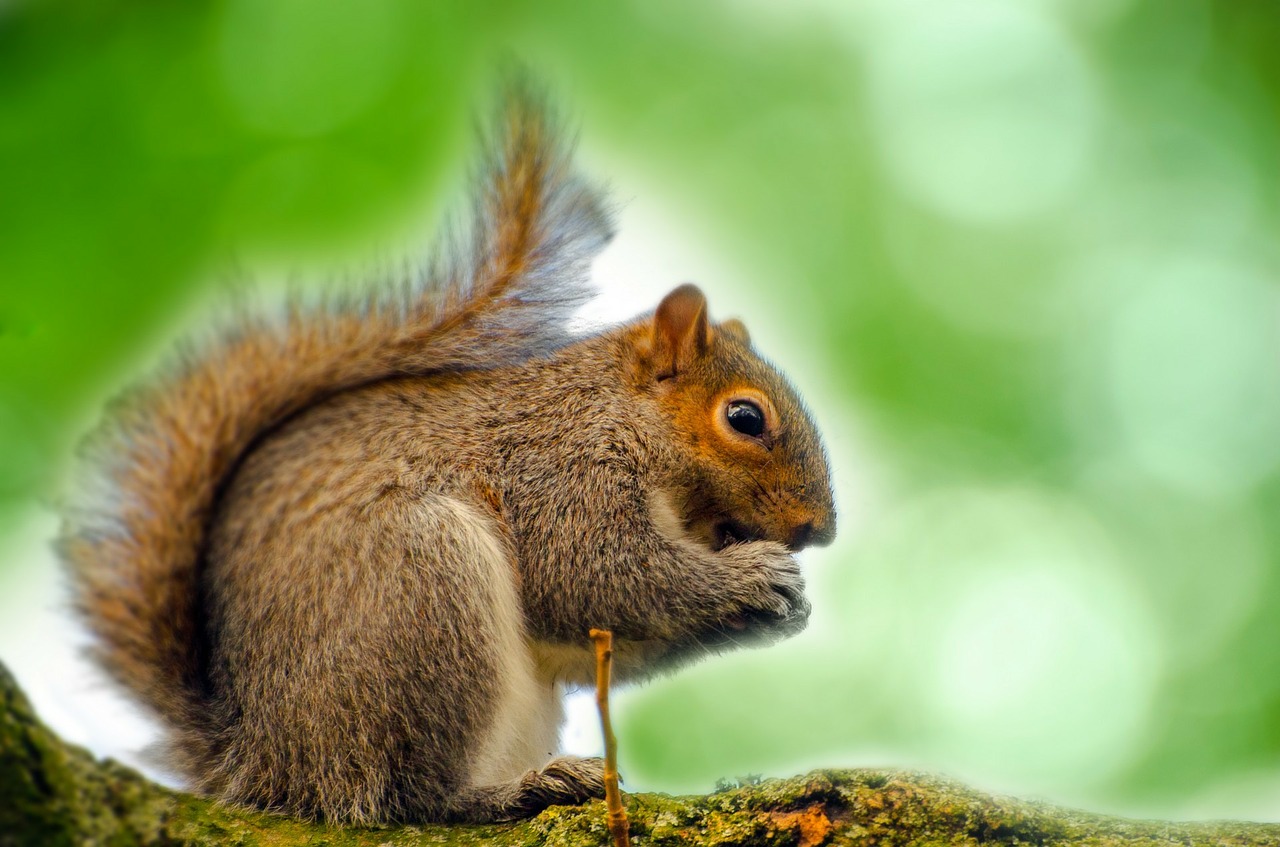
(746, 418)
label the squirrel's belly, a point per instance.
(524, 727)
(525, 730)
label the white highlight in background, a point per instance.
(984, 111)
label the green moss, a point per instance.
(55, 794)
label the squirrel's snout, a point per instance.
(807, 534)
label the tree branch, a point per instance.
(52, 793)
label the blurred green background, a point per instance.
(1020, 255)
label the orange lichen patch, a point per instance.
(812, 824)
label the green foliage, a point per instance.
(1019, 256)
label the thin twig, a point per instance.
(612, 799)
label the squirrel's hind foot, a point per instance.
(564, 781)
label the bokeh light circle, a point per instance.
(982, 111)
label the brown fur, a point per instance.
(350, 558)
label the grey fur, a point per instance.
(354, 557)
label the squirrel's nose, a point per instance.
(820, 534)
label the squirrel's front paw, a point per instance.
(770, 592)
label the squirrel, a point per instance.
(350, 555)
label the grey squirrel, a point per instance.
(350, 556)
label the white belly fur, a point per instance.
(524, 732)
(526, 727)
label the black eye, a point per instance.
(746, 418)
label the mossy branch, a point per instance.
(53, 794)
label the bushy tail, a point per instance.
(133, 543)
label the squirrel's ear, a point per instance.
(680, 330)
(735, 329)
